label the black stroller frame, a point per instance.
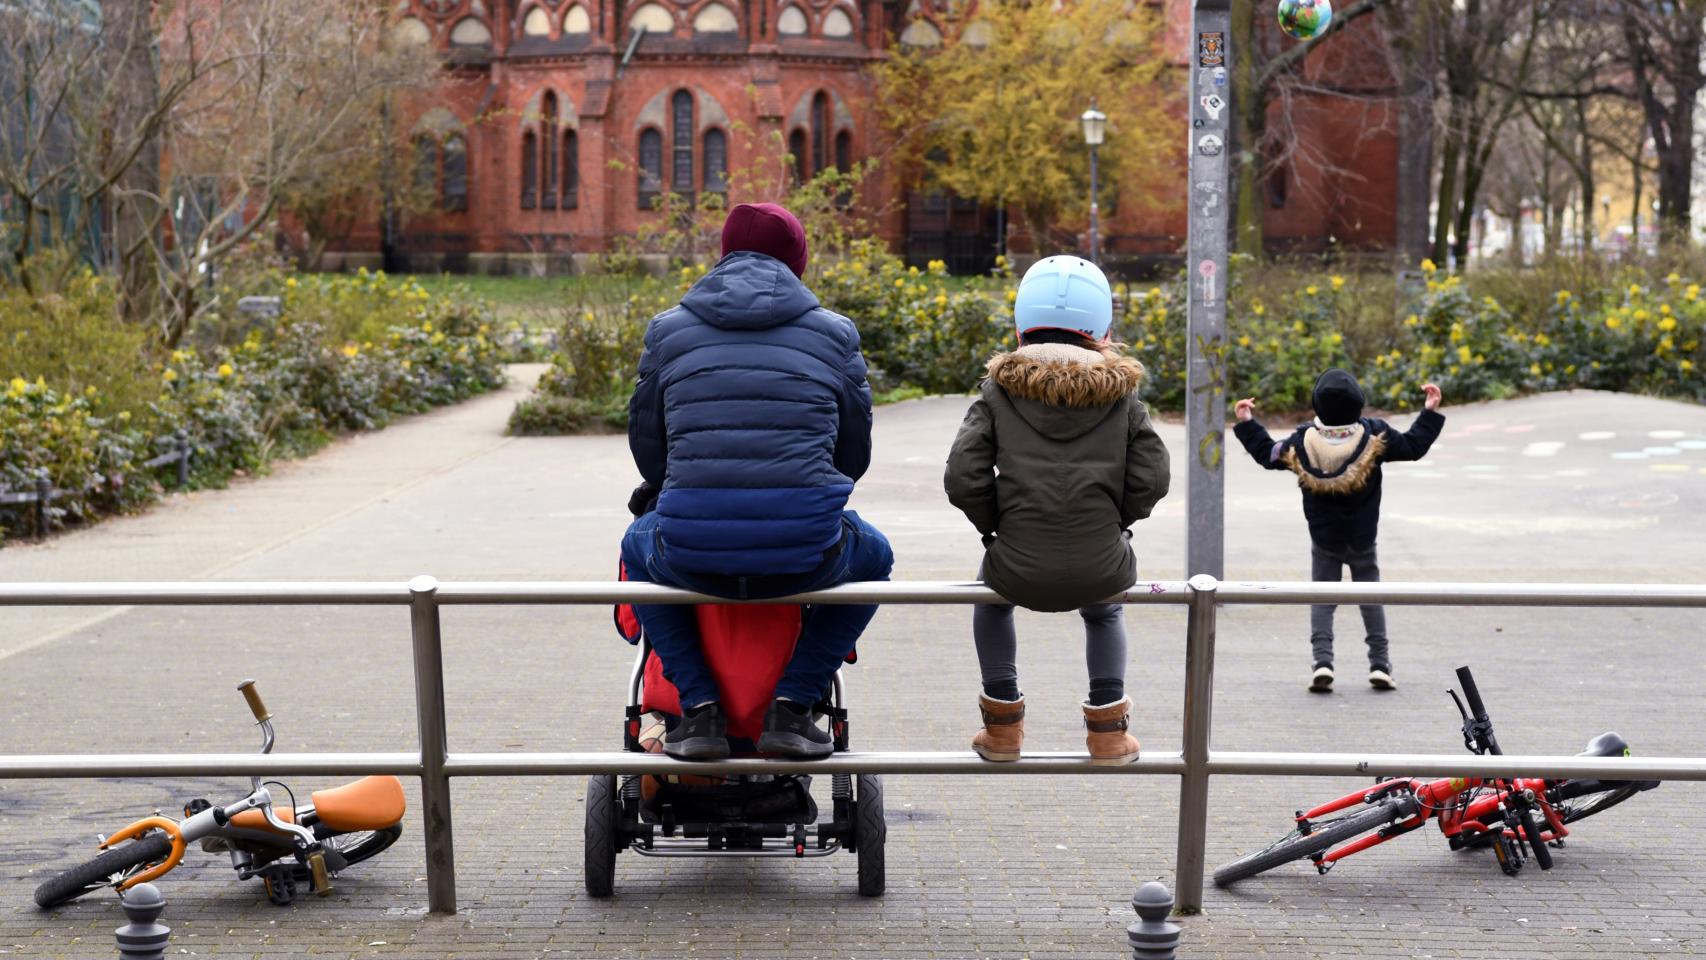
(749, 815)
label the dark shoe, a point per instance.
(702, 734)
(1321, 681)
(1380, 676)
(790, 732)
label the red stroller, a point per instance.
(694, 815)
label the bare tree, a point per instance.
(284, 91)
(1664, 46)
(1486, 49)
(81, 112)
(1268, 83)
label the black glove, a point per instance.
(643, 500)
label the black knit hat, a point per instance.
(1338, 399)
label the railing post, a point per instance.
(435, 744)
(1199, 709)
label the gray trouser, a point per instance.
(1328, 565)
(998, 645)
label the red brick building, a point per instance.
(560, 119)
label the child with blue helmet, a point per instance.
(1055, 460)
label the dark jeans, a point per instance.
(827, 631)
(1104, 650)
(1328, 565)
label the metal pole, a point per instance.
(183, 439)
(1199, 710)
(1206, 283)
(435, 744)
(1095, 227)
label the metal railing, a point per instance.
(1194, 763)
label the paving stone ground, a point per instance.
(1038, 867)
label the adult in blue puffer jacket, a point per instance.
(750, 422)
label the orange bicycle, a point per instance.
(310, 843)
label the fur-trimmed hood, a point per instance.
(1350, 476)
(1063, 391)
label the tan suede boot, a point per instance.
(1106, 737)
(1003, 730)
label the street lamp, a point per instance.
(1095, 127)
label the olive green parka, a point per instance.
(1054, 461)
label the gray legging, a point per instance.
(1104, 650)
(1328, 564)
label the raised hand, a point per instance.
(1430, 396)
(1245, 409)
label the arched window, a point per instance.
(921, 33)
(548, 134)
(453, 194)
(792, 22)
(654, 18)
(837, 24)
(577, 21)
(537, 23)
(797, 150)
(571, 169)
(470, 32)
(820, 131)
(529, 170)
(426, 166)
(715, 18)
(681, 132)
(716, 161)
(651, 166)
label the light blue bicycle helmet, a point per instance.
(1064, 293)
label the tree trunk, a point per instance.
(1249, 126)
(1409, 33)
(1450, 161)
(1584, 173)
(1676, 170)
(130, 31)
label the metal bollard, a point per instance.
(183, 439)
(1152, 937)
(142, 938)
(44, 498)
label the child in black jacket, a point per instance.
(1337, 460)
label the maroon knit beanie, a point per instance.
(769, 229)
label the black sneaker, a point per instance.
(702, 734)
(790, 732)
(1321, 681)
(1380, 676)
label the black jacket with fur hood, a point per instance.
(1341, 480)
(1055, 459)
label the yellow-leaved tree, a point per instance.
(991, 111)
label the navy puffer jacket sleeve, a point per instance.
(753, 415)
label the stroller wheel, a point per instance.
(603, 806)
(870, 831)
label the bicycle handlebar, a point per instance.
(256, 706)
(1479, 726)
(1472, 693)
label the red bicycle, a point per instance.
(1519, 818)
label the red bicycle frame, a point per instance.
(1441, 800)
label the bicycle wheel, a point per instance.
(1579, 799)
(1296, 846)
(104, 871)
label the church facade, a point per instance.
(558, 122)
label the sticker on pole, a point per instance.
(1210, 289)
(1212, 105)
(1210, 145)
(1211, 48)
(1208, 194)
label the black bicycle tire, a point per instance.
(1605, 799)
(602, 804)
(871, 835)
(1299, 846)
(87, 877)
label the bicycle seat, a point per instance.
(1607, 744)
(371, 803)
